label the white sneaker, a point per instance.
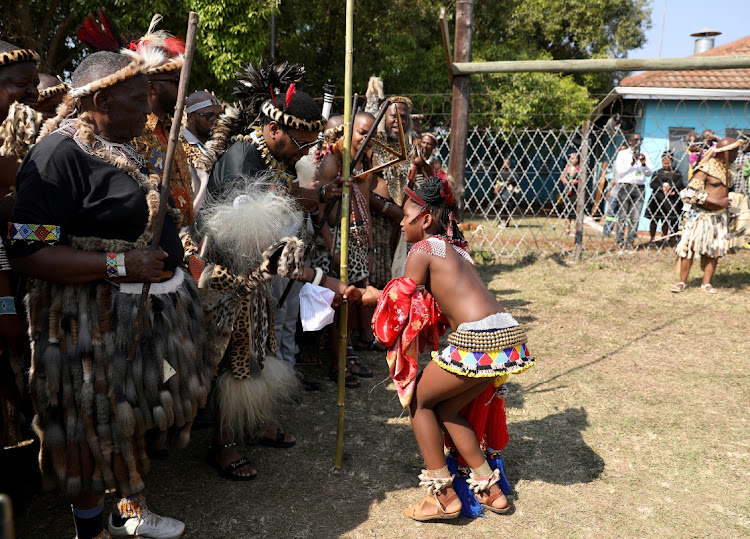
(148, 525)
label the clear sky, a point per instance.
(684, 17)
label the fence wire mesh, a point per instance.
(523, 200)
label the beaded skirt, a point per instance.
(490, 347)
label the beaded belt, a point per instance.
(498, 339)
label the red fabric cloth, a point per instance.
(486, 415)
(407, 320)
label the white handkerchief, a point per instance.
(315, 307)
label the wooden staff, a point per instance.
(174, 134)
(344, 269)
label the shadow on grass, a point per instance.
(552, 450)
(533, 388)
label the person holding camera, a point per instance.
(633, 170)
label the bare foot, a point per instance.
(450, 506)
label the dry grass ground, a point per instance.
(634, 423)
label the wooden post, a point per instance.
(598, 65)
(446, 43)
(461, 95)
(583, 177)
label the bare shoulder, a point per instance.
(418, 266)
(328, 170)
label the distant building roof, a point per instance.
(728, 79)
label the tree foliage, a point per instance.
(229, 31)
(398, 40)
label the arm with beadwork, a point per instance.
(46, 205)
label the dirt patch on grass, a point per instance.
(633, 423)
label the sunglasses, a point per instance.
(300, 147)
(209, 117)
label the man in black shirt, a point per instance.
(81, 230)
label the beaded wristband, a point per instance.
(7, 305)
(112, 265)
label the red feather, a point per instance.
(98, 36)
(174, 46)
(273, 96)
(290, 94)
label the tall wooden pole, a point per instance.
(583, 180)
(460, 106)
(344, 251)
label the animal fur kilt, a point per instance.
(239, 309)
(93, 405)
(705, 233)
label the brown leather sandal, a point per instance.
(487, 503)
(415, 511)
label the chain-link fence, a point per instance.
(522, 183)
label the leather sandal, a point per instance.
(489, 500)
(679, 287)
(227, 472)
(708, 289)
(415, 511)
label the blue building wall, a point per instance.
(661, 115)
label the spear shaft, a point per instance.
(174, 134)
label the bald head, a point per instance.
(47, 81)
(97, 66)
(729, 155)
(198, 97)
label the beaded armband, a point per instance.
(7, 305)
(115, 265)
(32, 233)
(499, 339)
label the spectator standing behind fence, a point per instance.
(633, 168)
(569, 190)
(664, 204)
(505, 187)
(613, 205)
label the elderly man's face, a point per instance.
(127, 109)
(18, 82)
(391, 122)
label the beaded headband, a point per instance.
(137, 66)
(429, 135)
(203, 104)
(61, 88)
(283, 118)
(19, 55)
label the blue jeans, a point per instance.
(630, 197)
(610, 217)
